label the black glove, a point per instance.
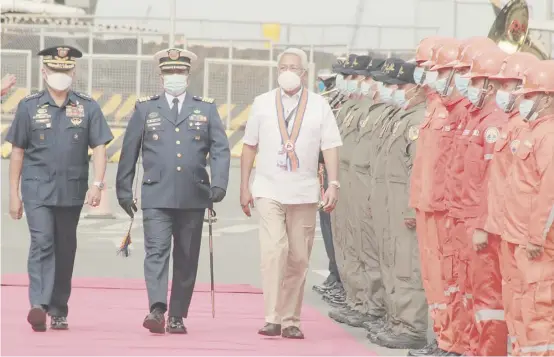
(128, 206)
(217, 194)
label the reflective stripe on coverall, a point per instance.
(512, 278)
(484, 267)
(528, 214)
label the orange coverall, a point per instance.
(512, 278)
(424, 174)
(528, 216)
(484, 277)
(451, 231)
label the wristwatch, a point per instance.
(99, 184)
(334, 183)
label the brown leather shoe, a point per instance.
(270, 330)
(292, 332)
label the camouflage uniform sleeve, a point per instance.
(220, 154)
(18, 134)
(99, 131)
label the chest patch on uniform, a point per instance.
(476, 132)
(491, 135)
(413, 133)
(76, 121)
(77, 111)
(198, 118)
(514, 145)
(153, 115)
(446, 128)
(42, 111)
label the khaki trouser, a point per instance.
(286, 239)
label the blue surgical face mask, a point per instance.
(431, 78)
(525, 108)
(320, 86)
(418, 74)
(474, 94)
(399, 98)
(341, 83)
(440, 86)
(386, 94)
(352, 86)
(504, 100)
(175, 84)
(365, 88)
(461, 83)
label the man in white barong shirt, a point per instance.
(287, 129)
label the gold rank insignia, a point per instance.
(355, 63)
(401, 71)
(147, 98)
(389, 68)
(491, 135)
(413, 133)
(196, 111)
(76, 121)
(173, 54)
(204, 99)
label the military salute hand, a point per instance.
(7, 82)
(129, 206)
(16, 207)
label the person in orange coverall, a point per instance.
(454, 337)
(529, 210)
(484, 281)
(510, 77)
(421, 189)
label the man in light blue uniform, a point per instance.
(176, 132)
(50, 136)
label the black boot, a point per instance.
(432, 349)
(341, 314)
(375, 326)
(358, 319)
(400, 341)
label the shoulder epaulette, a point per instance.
(147, 98)
(204, 99)
(83, 95)
(34, 95)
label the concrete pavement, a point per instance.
(236, 249)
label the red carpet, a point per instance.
(106, 319)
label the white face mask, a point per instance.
(525, 109)
(289, 81)
(365, 88)
(175, 84)
(462, 84)
(59, 81)
(440, 87)
(431, 78)
(505, 100)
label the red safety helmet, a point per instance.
(538, 78)
(515, 65)
(447, 56)
(487, 63)
(472, 47)
(424, 50)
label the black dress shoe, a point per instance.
(270, 329)
(155, 321)
(58, 323)
(37, 318)
(292, 332)
(430, 350)
(175, 325)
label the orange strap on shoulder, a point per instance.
(289, 141)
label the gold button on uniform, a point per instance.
(178, 142)
(179, 155)
(177, 129)
(178, 168)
